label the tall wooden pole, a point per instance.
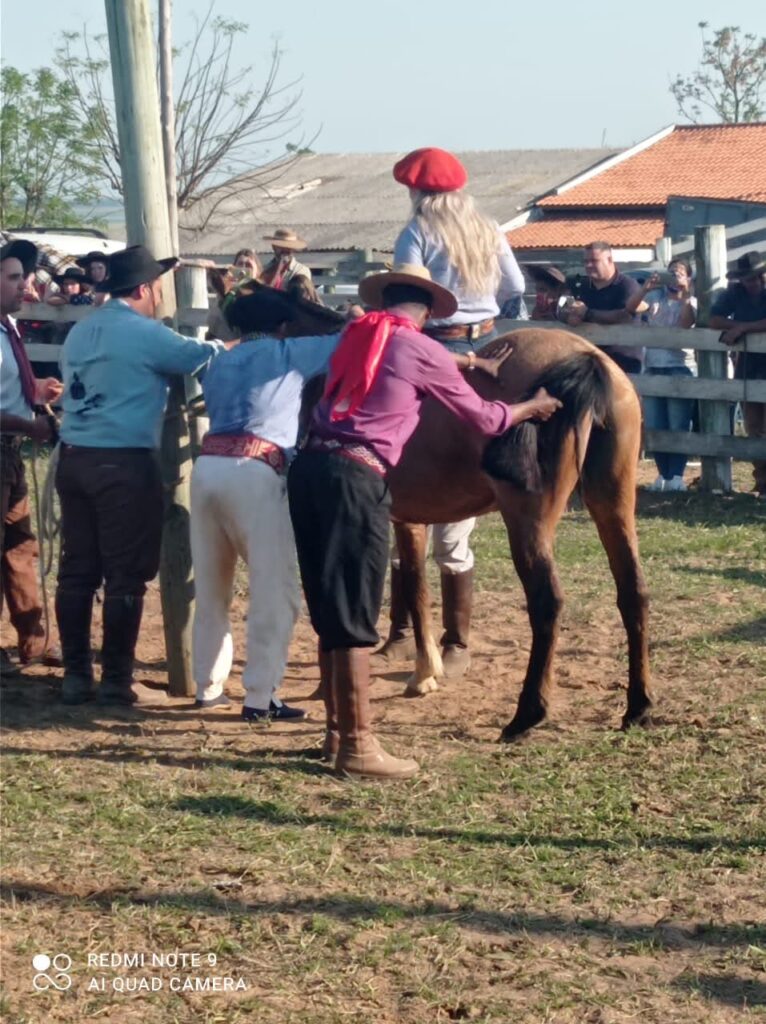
(715, 417)
(168, 117)
(132, 52)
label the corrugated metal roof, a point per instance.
(351, 201)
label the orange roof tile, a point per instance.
(558, 232)
(705, 161)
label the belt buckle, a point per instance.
(473, 332)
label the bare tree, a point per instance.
(225, 124)
(729, 81)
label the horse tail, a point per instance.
(527, 455)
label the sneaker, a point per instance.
(658, 485)
(276, 712)
(221, 701)
(676, 483)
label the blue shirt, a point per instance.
(256, 387)
(116, 366)
(413, 246)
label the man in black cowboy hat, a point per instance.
(737, 311)
(116, 366)
(20, 393)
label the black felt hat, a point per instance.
(751, 263)
(22, 250)
(133, 266)
(72, 274)
(94, 256)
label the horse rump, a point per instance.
(527, 455)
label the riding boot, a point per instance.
(457, 601)
(325, 671)
(122, 619)
(359, 752)
(400, 644)
(74, 611)
(331, 736)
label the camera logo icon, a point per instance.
(59, 967)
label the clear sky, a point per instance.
(392, 75)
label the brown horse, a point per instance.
(448, 472)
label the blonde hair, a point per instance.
(470, 239)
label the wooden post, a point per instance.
(132, 51)
(168, 118)
(191, 286)
(663, 250)
(715, 417)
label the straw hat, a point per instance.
(371, 288)
(285, 238)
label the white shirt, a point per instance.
(12, 399)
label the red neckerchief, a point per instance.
(26, 373)
(355, 361)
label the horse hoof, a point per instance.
(420, 688)
(640, 719)
(520, 727)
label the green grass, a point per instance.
(583, 875)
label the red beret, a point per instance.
(431, 170)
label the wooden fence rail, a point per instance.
(704, 389)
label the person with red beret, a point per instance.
(467, 253)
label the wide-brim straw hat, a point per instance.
(546, 273)
(751, 263)
(285, 238)
(371, 288)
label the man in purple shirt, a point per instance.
(602, 299)
(380, 374)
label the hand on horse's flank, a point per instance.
(491, 363)
(544, 405)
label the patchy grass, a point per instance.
(584, 875)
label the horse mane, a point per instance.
(527, 455)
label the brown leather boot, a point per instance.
(360, 753)
(400, 644)
(327, 686)
(457, 601)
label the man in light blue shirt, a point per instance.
(116, 368)
(239, 501)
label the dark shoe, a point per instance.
(76, 689)
(74, 611)
(8, 667)
(276, 712)
(221, 701)
(115, 693)
(457, 602)
(50, 658)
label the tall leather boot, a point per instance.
(327, 686)
(359, 752)
(325, 673)
(457, 602)
(74, 611)
(122, 619)
(400, 643)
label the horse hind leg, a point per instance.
(610, 494)
(411, 540)
(531, 520)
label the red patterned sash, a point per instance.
(245, 446)
(356, 451)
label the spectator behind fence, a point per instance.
(550, 286)
(96, 266)
(247, 266)
(740, 309)
(284, 267)
(602, 300)
(73, 287)
(670, 304)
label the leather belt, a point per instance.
(354, 450)
(245, 446)
(458, 332)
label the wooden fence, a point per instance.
(713, 389)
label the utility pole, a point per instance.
(132, 52)
(168, 117)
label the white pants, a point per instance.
(451, 548)
(239, 508)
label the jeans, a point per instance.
(669, 414)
